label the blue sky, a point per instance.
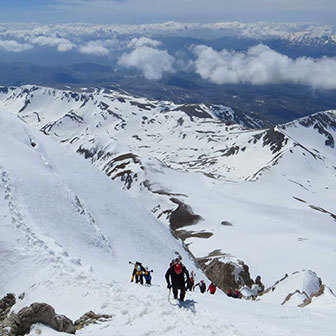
(150, 11)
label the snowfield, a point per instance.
(68, 230)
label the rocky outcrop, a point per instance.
(17, 324)
(6, 303)
(226, 275)
(182, 216)
(299, 289)
(90, 318)
(20, 323)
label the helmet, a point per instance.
(178, 269)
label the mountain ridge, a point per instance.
(173, 161)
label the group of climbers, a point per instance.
(234, 294)
(178, 279)
(140, 272)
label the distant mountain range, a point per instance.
(277, 103)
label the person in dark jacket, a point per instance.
(138, 273)
(176, 276)
(202, 286)
(191, 282)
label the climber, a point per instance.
(138, 272)
(176, 276)
(191, 282)
(148, 277)
(212, 288)
(202, 286)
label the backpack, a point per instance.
(212, 289)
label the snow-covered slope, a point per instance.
(231, 192)
(64, 221)
(68, 231)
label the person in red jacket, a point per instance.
(212, 288)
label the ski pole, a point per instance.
(169, 295)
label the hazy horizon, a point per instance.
(156, 11)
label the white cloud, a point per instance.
(94, 48)
(143, 41)
(262, 65)
(102, 47)
(61, 43)
(152, 62)
(14, 46)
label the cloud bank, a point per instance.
(60, 43)
(143, 41)
(152, 62)
(261, 65)
(94, 48)
(14, 46)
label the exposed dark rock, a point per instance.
(126, 176)
(147, 107)
(299, 199)
(276, 140)
(260, 284)
(231, 151)
(255, 138)
(180, 121)
(37, 116)
(182, 216)
(21, 322)
(26, 103)
(226, 275)
(6, 303)
(88, 152)
(74, 117)
(226, 223)
(4, 90)
(90, 318)
(184, 234)
(46, 129)
(194, 110)
(314, 207)
(134, 158)
(103, 106)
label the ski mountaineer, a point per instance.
(202, 286)
(191, 282)
(175, 277)
(212, 288)
(148, 277)
(138, 272)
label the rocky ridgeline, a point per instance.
(17, 324)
